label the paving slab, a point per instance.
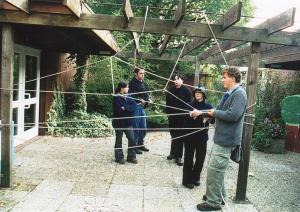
(79, 174)
(47, 196)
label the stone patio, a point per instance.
(79, 174)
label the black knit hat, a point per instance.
(199, 89)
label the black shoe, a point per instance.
(197, 183)
(206, 207)
(188, 185)
(205, 198)
(170, 157)
(143, 148)
(120, 161)
(178, 161)
(137, 151)
(132, 160)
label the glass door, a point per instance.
(26, 93)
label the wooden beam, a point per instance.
(232, 16)
(74, 6)
(274, 24)
(279, 22)
(179, 14)
(154, 25)
(105, 35)
(180, 11)
(164, 44)
(7, 53)
(248, 128)
(197, 73)
(269, 54)
(153, 56)
(282, 59)
(127, 12)
(20, 4)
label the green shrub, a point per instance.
(72, 124)
(272, 88)
(81, 124)
(157, 121)
(267, 132)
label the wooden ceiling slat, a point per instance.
(179, 14)
(20, 4)
(154, 25)
(274, 24)
(153, 56)
(127, 12)
(232, 16)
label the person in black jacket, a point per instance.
(176, 99)
(195, 142)
(123, 108)
(138, 87)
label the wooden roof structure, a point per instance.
(60, 39)
(268, 44)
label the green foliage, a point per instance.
(156, 121)
(75, 124)
(81, 124)
(56, 112)
(213, 83)
(271, 90)
(267, 132)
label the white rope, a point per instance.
(146, 15)
(199, 130)
(118, 128)
(163, 105)
(77, 93)
(179, 99)
(175, 65)
(61, 72)
(213, 34)
(251, 106)
(112, 75)
(164, 78)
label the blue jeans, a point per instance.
(140, 124)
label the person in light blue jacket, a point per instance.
(229, 117)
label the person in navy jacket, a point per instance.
(195, 142)
(123, 108)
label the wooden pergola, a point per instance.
(268, 44)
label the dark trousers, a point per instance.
(191, 171)
(176, 143)
(118, 144)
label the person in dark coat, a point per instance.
(195, 142)
(176, 102)
(123, 107)
(138, 87)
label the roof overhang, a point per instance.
(100, 42)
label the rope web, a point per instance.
(111, 58)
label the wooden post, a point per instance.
(6, 104)
(197, 72)
(248, 128)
